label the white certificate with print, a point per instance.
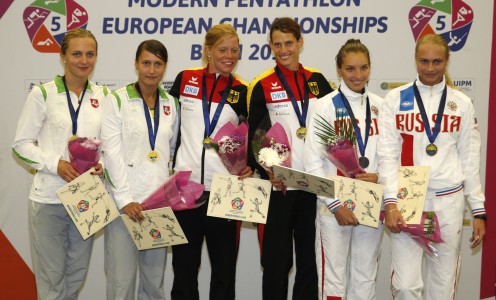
(412, 189)
(158, 229)
(88, 203)
(243, 200)
(307, 182)
(363, 198)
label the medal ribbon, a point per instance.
(437, 127)
(302, 116)
(152, 131)
(210, 126)
(74, 113)
(361, 145)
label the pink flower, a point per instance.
(231, 146)
(178, 193)
(84, 153)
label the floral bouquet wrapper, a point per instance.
(273, 148)
(345, 158)
(179, 193)
(231, 145)
(84, 153)
(427, 233)
(339, 142)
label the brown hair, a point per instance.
(351, 45)
(155, 47)
(286, 25)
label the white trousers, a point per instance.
(347, 258)
(441, 272)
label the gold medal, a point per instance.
(153, 156)
(207, 143)
(431, 149)
(73, 137)
(301, 132)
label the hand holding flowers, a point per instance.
(340, 145)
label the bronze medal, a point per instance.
(363, 162)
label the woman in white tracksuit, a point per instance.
(452, 150)
(55, 111)
(139, 130)
(347, 253)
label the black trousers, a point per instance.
(222, 237)
(291, 216)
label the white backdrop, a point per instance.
(388, 36)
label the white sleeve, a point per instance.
(30, 124)
(468, 147)
(115, 168)
(389, 148)
(314, 154)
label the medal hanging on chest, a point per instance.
(363, 161)
(301, 132)
(153, 155)
(431, 148)
(74, 112)
(210, 126)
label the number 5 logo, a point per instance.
(452, 19)
(47, 21)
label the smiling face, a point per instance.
(286, 49)
(223, 56)
(355, 71)
(150, 69)
(431, 63)
(79, 58)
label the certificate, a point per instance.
(412, 189)
(321, 186)
(363, 198)
(243, 200)
(88, 203)
(159, 228)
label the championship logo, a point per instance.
(451, 19)
(47, 21)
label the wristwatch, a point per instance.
(482, 217)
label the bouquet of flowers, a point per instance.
(426, 233)
(231, 145)
(178, 192)
(273, 148)
(340, 145)
(84, 153)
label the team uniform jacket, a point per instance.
(45, 127)
(329, 107)
(267, 98)
(403, 142)
(131, 176)
(187, 87)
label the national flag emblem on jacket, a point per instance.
(233, 97)
(167, 110)
(314, 88)
(94, 103)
